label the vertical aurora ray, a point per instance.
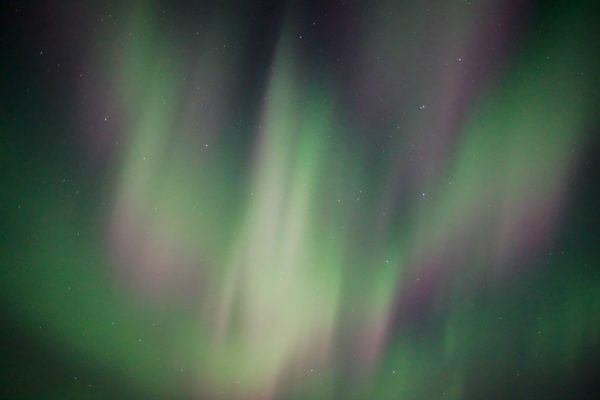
(301, 201)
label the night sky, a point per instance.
(299, 200)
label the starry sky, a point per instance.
(299, 200)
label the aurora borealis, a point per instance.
(328, 200)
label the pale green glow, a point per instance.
(285, 272)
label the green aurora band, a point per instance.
(295, 256)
